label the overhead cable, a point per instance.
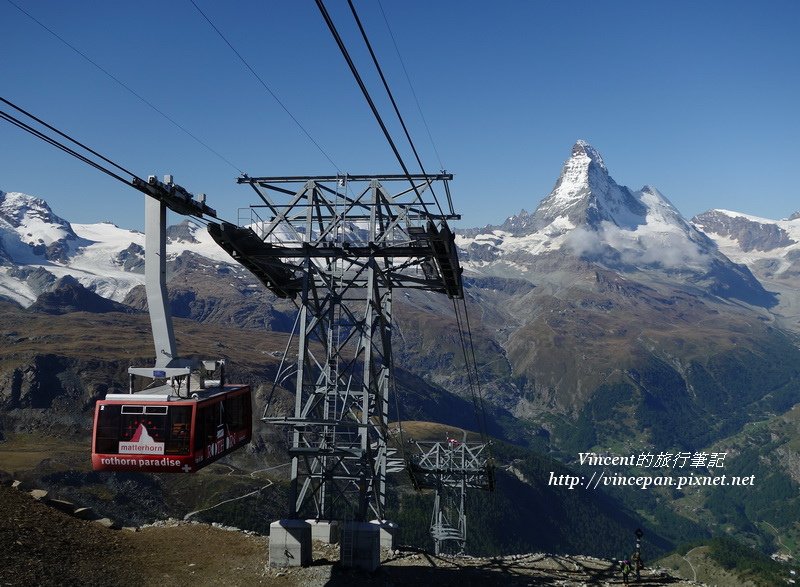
(62, 146)
(346, 54)
(475, 365)
(66, 136)
(411, 86)
(125, 86)
(471, 366)
(266, 87)
(174, 196)
(18, 123)
(391, 96)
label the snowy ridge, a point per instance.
(102, 257)
(750, 217)
(753, 240)
(32, 219)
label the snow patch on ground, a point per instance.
(15, 289)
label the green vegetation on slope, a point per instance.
(748, 563)
(526, 514)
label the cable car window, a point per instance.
(199, 427)
(132, 409)
(234, 412)
(107, 434)
(180, 422)
(142, 428)
(207, 422)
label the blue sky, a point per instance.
(698, 99)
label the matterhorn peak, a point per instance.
(582, 149)
(590, 218)
(585, 194)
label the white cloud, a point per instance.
(670, 249)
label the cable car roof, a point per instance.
(166, 393)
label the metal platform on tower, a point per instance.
(351, 218)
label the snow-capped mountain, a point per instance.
(37, 247)
(588, 216)
(768, 247)
(29, 231)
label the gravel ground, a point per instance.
(40, 545)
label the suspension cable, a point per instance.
(365, 92)
(391, 98)
(411, 86)
(66, 136)
(473, 377)
(38, 134)
(134, 181)
(265, 86)
(475, 366)
(124, 85)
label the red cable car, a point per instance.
(157, 431)
(168, 427)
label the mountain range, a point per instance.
(602, 320)
(598, 281)
(587, 218)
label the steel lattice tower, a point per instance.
(450, 468)
(340, 245)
